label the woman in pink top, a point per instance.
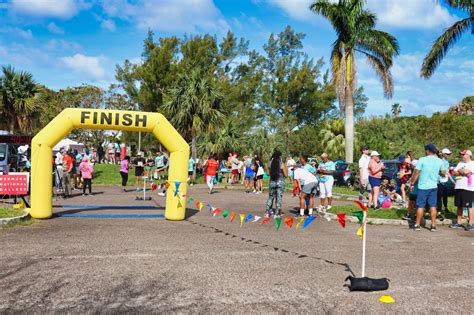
(375, 176)
(87, 170)
(124, 166)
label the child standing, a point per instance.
(87, 170)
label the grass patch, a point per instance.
(6, 212)
(107, 174)
(24, 222)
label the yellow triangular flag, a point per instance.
(386, 299)
(242, 218)
(360, 231)
(200, 206)
(300, 221)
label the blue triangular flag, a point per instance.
(308, 221)
(248, 217)
(176, 184)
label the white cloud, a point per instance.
(87, 65)
(416, 14)
(63, 9)
(413, 14)
(108, 25)
(25, 34)
(168, 15)
(53, 28)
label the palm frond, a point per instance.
(441, 46)
(383, 73)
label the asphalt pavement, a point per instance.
(206, 264)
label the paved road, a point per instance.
(208, 265)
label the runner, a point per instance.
(150, 162)
(159, 164)
(326, 169)
(277, 172)
(163, 170)
(124, 166)
(139, 165)
(86, 170)
(210, 167)
(191, 164)
(249, 175)
(307, 183)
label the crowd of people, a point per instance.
(418, 185)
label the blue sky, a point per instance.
(68, 43)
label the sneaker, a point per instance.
(416, 227)
(469, 227)
(161, 194)
(84, 194)
(406, 217)
(433, 229)
(455, 226)
(328, 207)
(138, 189)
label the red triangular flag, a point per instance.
(289, 222)
(265, 220)
(167, 185)
(361, 205)
(341, 218)
(197, 203)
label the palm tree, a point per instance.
(396, 110)
(332, 138)
(194, 106)
(356, 34)
(449, 37)
(20, 98)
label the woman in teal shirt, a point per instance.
(326, 170)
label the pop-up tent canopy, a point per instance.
(66, 143)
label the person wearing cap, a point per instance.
(426, 174)
(375, 176)
(364, 175)
(404, 174)
(443, 183)
(464, 189)
(326, 170)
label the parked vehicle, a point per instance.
(343, 176)
(391, 169)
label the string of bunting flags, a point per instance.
(289, 221)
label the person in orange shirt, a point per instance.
(210, 167)
(375, 176)
(66, 174)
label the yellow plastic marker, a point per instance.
(386, 299)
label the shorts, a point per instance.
(365, 187)
(249, 178)
(374, 181)
(427, 197)
(259, 177)
(310, 188)
(190, 173)
(148, 168)
(235, 172)
(138, 172)
(463, 198)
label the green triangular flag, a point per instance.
(225, 213)
(359, 215)
(190, 199)
(278, 223)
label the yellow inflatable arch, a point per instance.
(70, 118)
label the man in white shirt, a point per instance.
(289, 164)
(364, 175)
(308, 184)
(464, 189)
(235, 168)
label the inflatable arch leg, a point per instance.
(70, 118)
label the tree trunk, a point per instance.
(193, 152)
(349, 125)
